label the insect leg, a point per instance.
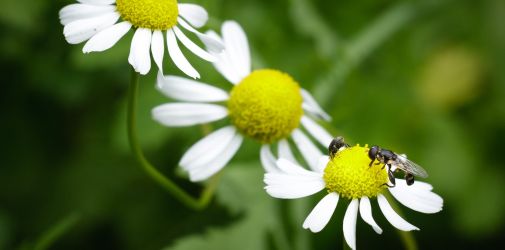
(387, 184)
(391, 177)
(409, 178)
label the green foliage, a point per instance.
(240, 192)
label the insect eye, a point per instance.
(372, 152)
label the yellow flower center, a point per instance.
(149, 14)
(266, 105)
(349, 174)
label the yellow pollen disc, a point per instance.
(266, 105)
(349, 175)
(149, 14)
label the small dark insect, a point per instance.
(335, 145)
(390, 158)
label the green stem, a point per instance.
(55, 232)
(298, 209)
(279, 237)
(408, 240)
(150, 170)
(278, 228)
(309, 23)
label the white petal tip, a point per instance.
(312, 230)
(194, 179)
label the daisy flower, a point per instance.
(96, 21)
(265, 105)
(348, 175)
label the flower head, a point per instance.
(150, 14)
(348, 175)
(265, 105)
(96, 21)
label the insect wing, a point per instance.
(410, 167)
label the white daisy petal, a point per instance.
(207, 148)
(268, 159)
(97, 2)
(179, 59)
(308, 150)
(212, 44)
(188, 114)
(284, 186)
(184, 89)
(81, 30)
(284, 179)
(194, 14)
(74, 12)
(292, 169)
(237, 47)
(392, 216)
(158, 49)
(140, 57)
(322, 162)
(223, 64)
(294, 191)
(365, 210)
(416, 198)
(351, 214)
(292, 181)
(310, 105)
(106, 38)
(285, 152)
(192, 46)
(318, 132)
(210, 168)
(214, 37)
(321, 214)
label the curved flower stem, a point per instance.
(297, 211)
(279, 238)
(408, 240)
(56, 231)
(150, 170)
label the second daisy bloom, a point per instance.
(266, 105)
(96, 21)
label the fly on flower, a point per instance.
(348, 175)
(96, 21)
(336, 145)
(265, 105)
(394, 162)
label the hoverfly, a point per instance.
(390, 158)
(335, 145)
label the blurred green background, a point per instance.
(424, 78)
